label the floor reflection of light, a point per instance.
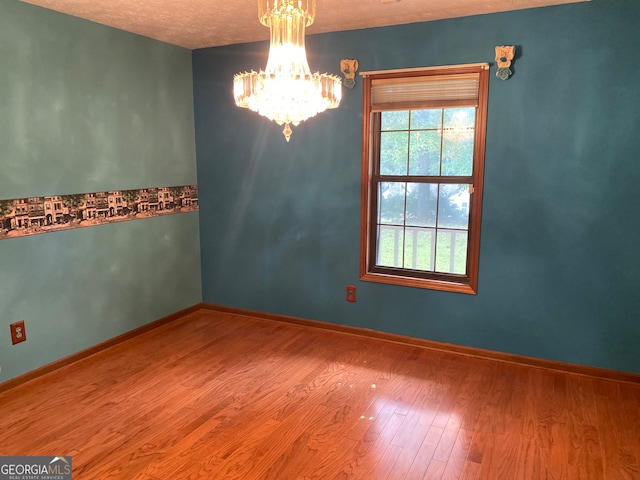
(425, 408)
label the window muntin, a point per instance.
(422, 178)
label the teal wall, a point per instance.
(86, 108)
(559, 268)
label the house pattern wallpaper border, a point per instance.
(35, 215)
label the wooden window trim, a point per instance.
(467, 284)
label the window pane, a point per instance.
(451, 251)
(390, 241)
(457, 145)
(424, 153)
(394, 148)
(419, 249)
(460, 117)
(457, 153)
(422, 201)
(391, 202)
(421, 119)
(453, 206)
(395, 120)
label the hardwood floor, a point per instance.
(222, 396)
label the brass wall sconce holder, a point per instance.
(349, 67)
(504, 56)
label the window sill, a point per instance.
(430, 284)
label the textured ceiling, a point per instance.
(207, 23)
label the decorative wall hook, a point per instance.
(504, 55)
(349, 68)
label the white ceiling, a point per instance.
(208, 23)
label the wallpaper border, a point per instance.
(36, 215)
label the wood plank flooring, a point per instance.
(222, 396)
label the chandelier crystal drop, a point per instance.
(286, 91)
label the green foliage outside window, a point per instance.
(430, 143)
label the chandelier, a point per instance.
(286, 91)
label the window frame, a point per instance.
(468, 283)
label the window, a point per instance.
(422, 171)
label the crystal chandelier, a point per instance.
(286, 91)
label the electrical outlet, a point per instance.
(18, 333)
(351, 293)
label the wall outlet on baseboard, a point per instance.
(18, 333)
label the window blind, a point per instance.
(429, 91)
